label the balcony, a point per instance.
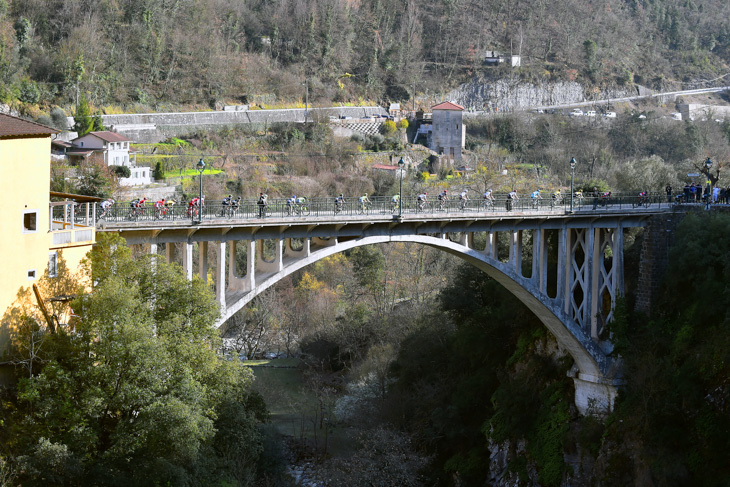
(72, 223)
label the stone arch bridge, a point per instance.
(573, 293)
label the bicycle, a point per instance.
(134, 213)
(339, 206)
(301, 209)
(535, 203)
(160, 212)
(443, 203)
(487, 204)
(363, 208)
(556, 200)
(641, 201)
(424, 206)
(463, 203)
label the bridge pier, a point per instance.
(203, 261)
(188, 260)
(220, 273)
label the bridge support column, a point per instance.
(250, 281)
(220, 274)
(515, 251)
(235, 283)
(275, 265)
(490, 247)
(464, 239)
(537, 261)
(188, 260)
(170, 252)
(203, 261)
(303, 252)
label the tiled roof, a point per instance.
(11, 127)
(385, 167)
(111, 136)
(447, 105)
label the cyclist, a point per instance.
(290, 204)
(488, 198)
(421, 199)
(160, 208)
(443, 198)
(193, 206)
(557, 197)
(105, 206)
(642, 198)
(394, 202)
(261, 202)
(536, 197)
(301, 204)
(364, 201)
(339, 203)
(463, 198)
(227, 202)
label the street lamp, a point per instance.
(708, 165)
(401, 165)
(572, 175)
(201, 167)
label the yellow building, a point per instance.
(34, 229)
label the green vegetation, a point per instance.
(135, 392)
(256, 53)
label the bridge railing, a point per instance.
(377, 205)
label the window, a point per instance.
(31, 275)
(30, 221)
(52, 264)
(81, 143)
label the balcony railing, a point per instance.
(71, 222)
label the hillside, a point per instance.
(158, 54)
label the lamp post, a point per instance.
(708, 165)
(201, 167)
(572, 175)
(401, 165)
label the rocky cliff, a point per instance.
(514, 94)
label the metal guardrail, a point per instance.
(378, 206)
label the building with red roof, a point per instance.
(448, 134)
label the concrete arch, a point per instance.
(592, 364)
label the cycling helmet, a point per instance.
(366, 194)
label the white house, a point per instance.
(448, 134)
(113, 149)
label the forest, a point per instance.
(156, 55)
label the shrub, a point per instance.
(389, 127)
(122, 171)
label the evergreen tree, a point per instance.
(84, 123)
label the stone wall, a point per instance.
(155, 127)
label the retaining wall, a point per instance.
(155, 127)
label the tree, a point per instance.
(83, 121)
(137, 388)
